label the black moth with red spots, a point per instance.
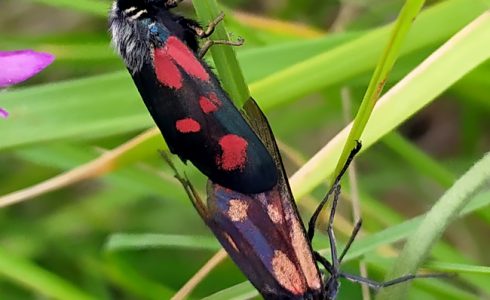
(250, 206)
(184, 97)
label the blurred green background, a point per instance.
(54, 244)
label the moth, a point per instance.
(194, 114)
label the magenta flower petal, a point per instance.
(17, 66)
(3, 113)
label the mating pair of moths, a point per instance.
(250, 207)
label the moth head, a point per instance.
(139, 5)
(128, 25)
(131, 9)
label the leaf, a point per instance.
(39, 279)
(128, 241)
(441, 215)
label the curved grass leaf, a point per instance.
(434, 223)
(458, 268)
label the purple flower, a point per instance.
(17, 66)
(3, 113)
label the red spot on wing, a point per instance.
(184, 57)
(167, 72)
(209, 104)
(233, 152)
(214, 98)
(206, 105)
(187, 125)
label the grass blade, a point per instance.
(38, 279)
(442, 214)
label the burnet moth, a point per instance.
(250, 207)
(184, 97)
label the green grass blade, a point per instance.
(37, 112)
(128, 278)
(242, 291)
(456, 58)
(224, 56)
(38, 279)
(98, 8)
(458, 268)
(390, 54)
(333, 67)
(127, 241)
(433, 225)
(403, 230)
(419, 159)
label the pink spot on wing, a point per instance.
(184, 57)
(209, 104)
(234, 152)
(167, 72)
(187, 125)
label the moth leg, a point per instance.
(375, 285)
(204, 33)
(352, 237)
(314, 217)
(331, 267)
(330, 232)
(188, 187)
(324, 262)
(209, 43)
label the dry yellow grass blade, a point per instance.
(99, 166)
